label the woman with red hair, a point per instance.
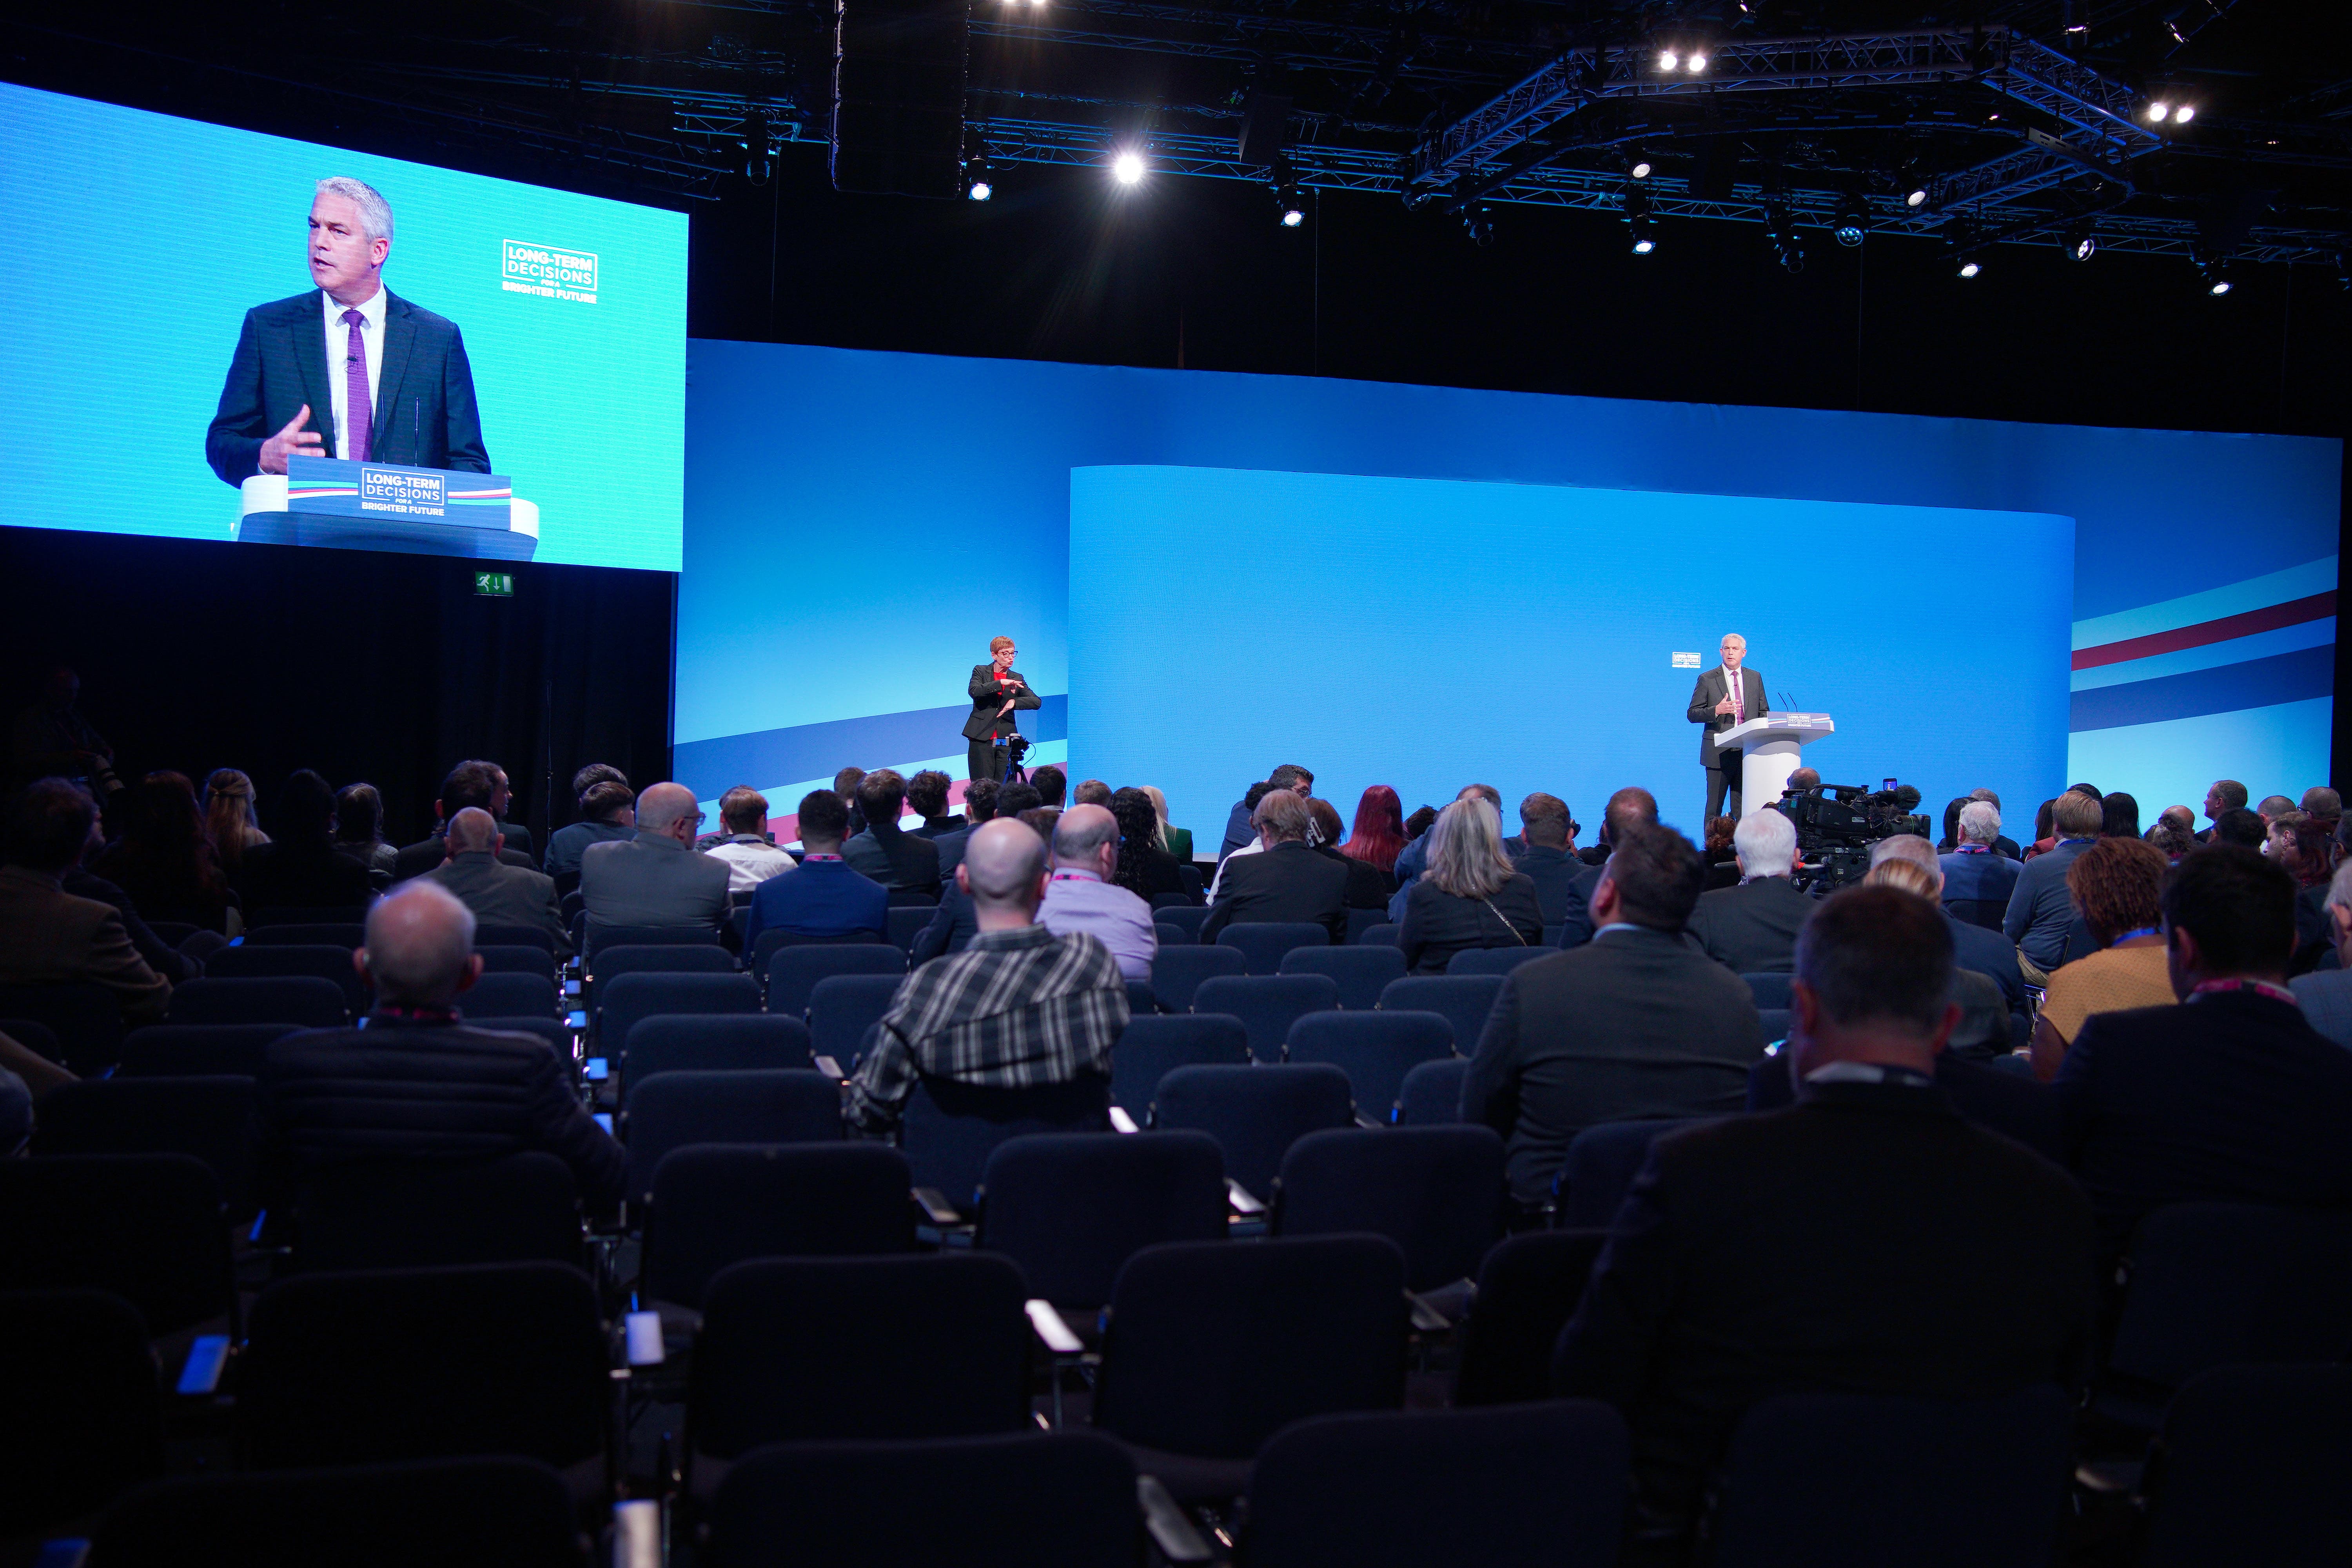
(1378, 833)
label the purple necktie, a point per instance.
(359, 414)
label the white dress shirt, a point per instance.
(339, 337)
(750, 862)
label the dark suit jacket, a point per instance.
(2009, 1103)
(987, 696)
(950, 847)
(1159, 874)
(1438, 924)
(1990, 953)
(505, 895)
(159, 956)
(934, 826)
(895, 859)
(1288, 883)
(1575, 916)
(405, 1090)
(821, 897)
(416, 860)
(1752, 929)
(1712, 689)
(1635, 1024)
(425, 411)
(301, 875)
(1369, 887)
(2232, 1098)
(652, 880)
(1866, 1240)
(952, 929)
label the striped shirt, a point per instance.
(1015, 1009)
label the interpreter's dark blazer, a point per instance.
(1288, 883)
(987, 696)
(1713, 688)
(1752, 929)
(425, 411)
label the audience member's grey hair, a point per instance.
(1280, 818)
(1766, 842)
(1080, 832)
(663, 806)
(375, 213)
(1465, 849)
(2339, 887)
(419, 938)
(1986, 794)
(472, 829)
(1980, 821)
(1912, 847)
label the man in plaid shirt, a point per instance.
(1019, 1008)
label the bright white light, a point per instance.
(2184, 114)
(2221, 286)
(981, 191)
(2087, 248)
(1917, 198)
(2158, 112)
(1668, 60)
(1641, 169)
(1696, 64)
(1969, 268)
(1126, 168)
(1292, 217)
(1644, 246)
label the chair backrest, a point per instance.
(1374, 1049)
(2215, 1284)
(927, 1346)
(1153, 1045)
(1254, 1113)
(1361, 920)
(1494, 960)
(1267, 1004)
(843, 1007)
(336, 1370)
(1776, 1023)
(1464, 999)
(793, 972)
(672, 1110)
(511, 994)
(515, 936)
(1986, 912)
(1601, 1165)
(1431, 1095)
(346, 937)
(913, 897)
(428, 1214)
(305, 914)
(85, 1017)
(303, 1000)
(516, 958)
(1531, 1483)
(1529, 1286)
(1058, 1500)
(151, 1229)
(713, 1042)
(199, 1050)
(493, 1512)
(622, 1001)
(1172, 900)
(2249, 1469)
(554, 1031)
(902, 924)
(594, 939)
(662, 958)
(1212, 1348)
(211, 1119)
(1379, 933)
(1436, 1192)
(773, 940)
(1360, 972)
(715, 1205)
(1071, 1208)
(1177, 972)
(1769, 990)
(950, 1128)
(79, 1410)
(1264, 943)
(1170, 934)
(1838, 1481)
(1189, 915)
(274, 958)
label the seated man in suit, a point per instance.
(1866, 1240)
(418, 1083)
(2231, 1097)
(607, 809)
(1081, 897)
(747, 846)
(1752, 929)
(300, 867)
(885, 852)
(1626, 809)
(48, 936)
(1288, 881)
(498, 894)
(1239, 828)
(346, 369)
(827, 896)
(2327, 995)
(1636, 1023)
(1545, 858)
(1986, 952)
(655, 878)
(1020, 1009)
(2040, 915)
(979, 807)
(1976, 871)
(472, 782)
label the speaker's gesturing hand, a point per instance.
(292, 441)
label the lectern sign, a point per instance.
(334, 487)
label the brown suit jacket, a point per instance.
(48, 937)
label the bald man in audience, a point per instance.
(655, 879)
(1081, 897)
(419, 1084)
(1020, 1020)
(498, 894)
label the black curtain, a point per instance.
(195, 654)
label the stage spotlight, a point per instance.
(1478, 222)
(1696, 63)
(1126, 168)
(1637, 167)
(1668, 60)
(2158, 112)
(1290, 205)
(1915, 197)
(2081, 243)
(1783, 228)
(2184, 114)
(1852, 222)
(980, 190)
(2215, 271)
(1969, 266)
(759, 162)
(979, 183)
(1639, 224)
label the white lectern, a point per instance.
(1768, 752)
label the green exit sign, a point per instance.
(494, 584)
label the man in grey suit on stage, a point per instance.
(347, 369)
(1727, 695)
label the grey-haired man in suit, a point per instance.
(1727, 695)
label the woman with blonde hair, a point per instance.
(1177, 841)
(230, 820)
(1469, 896)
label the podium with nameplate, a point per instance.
(1769, 749)
(386, 506)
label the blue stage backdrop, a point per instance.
(860, 524)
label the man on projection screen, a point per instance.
(348, 369)
(997, 693)
(1727, 695)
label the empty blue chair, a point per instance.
(1436, 1192)
(554, 1031)
(199, 1050)
(621, 1002)
(1361, 920)
(1140, 1001)
(1177, 973)
(905, 923)
(487, 935)
(1374, 1049)
(1263, 944)
(1464, 999)
(793, 972)
(215, 1120)
(708, 1042)
(509, 995)
(1267, 1004)
(1494, 960)
(1379, 933)
(662, 958)
(83, 1015)
(1254, 1113)
(1432, 1093)
(303, 1000)
(843, 1007)
(1601, 1165)
(1769, 990)
(1842, 1480)
(1190, 916)
(1776, 1023)
(1532, 1483)
(266, 962)
(346, 937)
(949, 1129)
(593, 938)
(1528, 1287)
(713, 1204)
(672, 1110)
(291, 915)
(1155, 1044)
(1360, 972)
(517, 958)
(2250, 1468)
(1172, 935)
(1071, 1208)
